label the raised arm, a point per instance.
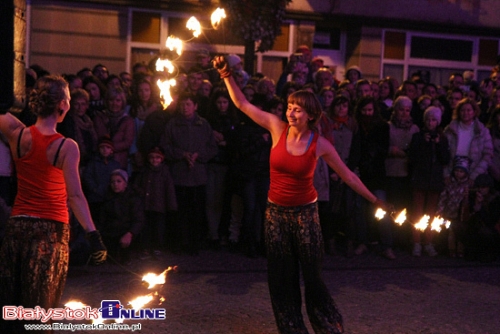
(265, 119)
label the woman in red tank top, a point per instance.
(292, 229)
(34, 252)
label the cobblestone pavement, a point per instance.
(221, 292)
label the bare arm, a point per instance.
(325, 150)
(77, 200)
(9, 125)
(267, 120)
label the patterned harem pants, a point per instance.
(294, 241)
(33, 266)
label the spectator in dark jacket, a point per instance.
(122, 217)
(156, 187)
(95, 177)
(428, 154)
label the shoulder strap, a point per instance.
(19, 143)
(57, 153)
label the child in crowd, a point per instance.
(429, 154)
(156, 187)
(95, 177)
(121, 218)
(451, 203)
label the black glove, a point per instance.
(97, 248)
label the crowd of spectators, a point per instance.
(195, 174)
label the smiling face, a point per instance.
(296, 115)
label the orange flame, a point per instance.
(217, 16)
(140, 301)
(379, 214)
(194, 25)
(423, 223)
(401, 217)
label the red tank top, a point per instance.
(292, 175)
(41, 190)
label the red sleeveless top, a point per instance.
(292, 175)
(41, 190)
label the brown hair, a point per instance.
(463, 102)
(48, 92)
(310, 103)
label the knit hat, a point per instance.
(233, 60)
(121, 173)
(434, 112)
(462, 163)
(354, 68)
(157, 150)
(106, 140)
(484, 180)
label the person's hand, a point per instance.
(98, 250)
(125, 240)
(222, 66)
(218, 136)
(387, 207)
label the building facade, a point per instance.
(384, 37)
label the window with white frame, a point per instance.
(436, 55)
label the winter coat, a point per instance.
(480, 151)
(121, 130)
(121, 213)
(96, 176)
(156, 187)
(182, 135)
(427, 161)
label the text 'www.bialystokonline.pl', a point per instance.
(83, 327)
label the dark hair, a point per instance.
(78, 93)
(49, 90)
(95, 80)
(310, 103)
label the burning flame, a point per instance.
(217, 16)
(154, 279)
(401, 217)
(164, 86)
(379, 214)
(74, 305)
(194, 25)
(164, 64)
(436, 224)
(174, 43)
(140, 301)
(423, 223)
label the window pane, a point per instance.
(488, 51)
(224, 36)
(394, 46)
(395, 71)
(146, 27)
(441, 49)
